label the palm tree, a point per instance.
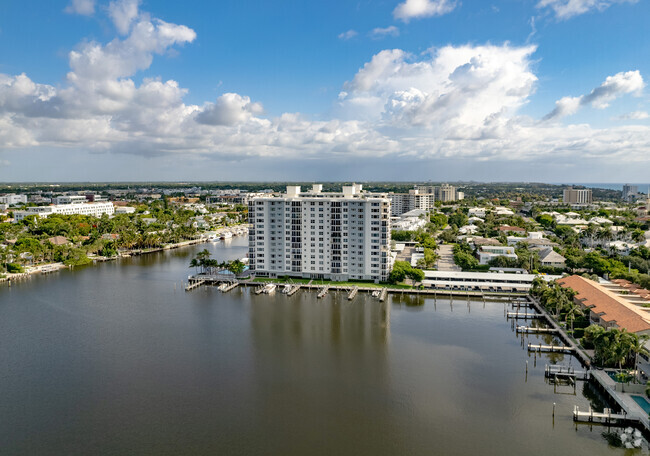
(638, 347)
(591, 231)
(572, 311)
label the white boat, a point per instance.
(269, 288)
(222, 286)
(226, 235)
(286, 289)
(375, 294)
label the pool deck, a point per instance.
(624, 400)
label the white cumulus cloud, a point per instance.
(229, 109)
(123, 13)
(634, 115)
(347, 35)
(600, 97)
(415, 9)
(380, 32)
(565, 9)
(83, 7)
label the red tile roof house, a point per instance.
(511, 229)
(607, 309)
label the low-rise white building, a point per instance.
(489, 252)
(92, 209)
(125, 210)
(70, 199)
(13, 199)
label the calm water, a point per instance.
(113, 359)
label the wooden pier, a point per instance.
(383, 295)
(533, 330)
(260, 289)
(523, 315)
(353, 293)
(550, 348)
(232, 286)
(323, 291)
(195, 284)
(605, 417)
(294, 290)
(557, 371)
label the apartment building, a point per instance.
(447, 193)
(13, 199)
(92, 209)
(401, 203)
(321, 235)
(577, 196)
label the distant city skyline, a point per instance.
(399, 90)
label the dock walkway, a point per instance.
(353, 293)
(550, 348)
(606, 417)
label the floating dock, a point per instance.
(232, 286)
(557, 371)
(550, 348)
(353, 293)
(533, 330)
(524, 315)
(294, 290)
(606, 417)
(195, 284)
(383, 295)
(323, 291)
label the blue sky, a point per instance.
(511, 90)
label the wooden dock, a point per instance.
(550, 348)
(232, 286)
(195, 284)
(323, 291)
(260, 289)
(353, 293)
(294, 290)
(557, 371)
(523, 315)
(383, 295)
(605, 417)
(533, 330)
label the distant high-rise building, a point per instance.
(577, 196)
(401, 203)
(629, 192)
(319, 235)
(447, 193)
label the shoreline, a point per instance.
(47, 268)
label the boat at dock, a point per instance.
(286, 289)
(226, 235)
(269, 288)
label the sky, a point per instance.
(368, 90)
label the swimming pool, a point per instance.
(642, 401)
